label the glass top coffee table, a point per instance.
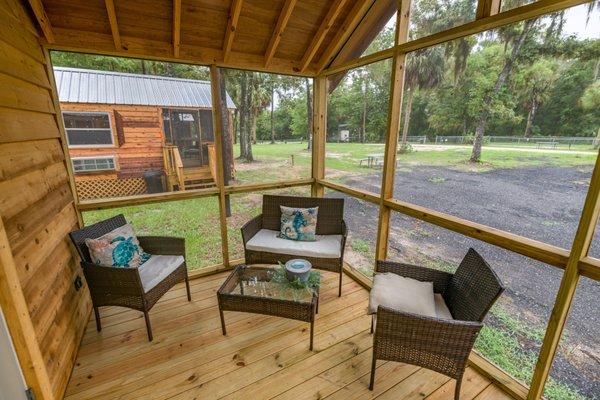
(253, 290)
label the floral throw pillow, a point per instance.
(118, 248)
(298, 223)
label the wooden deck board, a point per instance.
(262, 357)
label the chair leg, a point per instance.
(340, 285)
(148, 326)
(97, 315)
(457, 389)
(187, 288)
(372, 322)
(373, 364)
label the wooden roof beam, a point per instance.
(360, 9)
(487, 8)
(42, 18)
(176, 27)
(232, 20)
(112, 19)
(332, 14)
(284, 17)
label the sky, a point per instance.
(575, 22)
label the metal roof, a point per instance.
(105, 87)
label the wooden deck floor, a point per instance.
(260, 358)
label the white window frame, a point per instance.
(86, 146)
(111, 157)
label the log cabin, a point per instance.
(48, 348)
(131, 134)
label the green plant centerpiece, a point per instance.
(310, 284)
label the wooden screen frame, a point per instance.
(575, 261)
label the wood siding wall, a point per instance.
(137, 136)
(36, 201)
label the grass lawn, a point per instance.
(274, 161)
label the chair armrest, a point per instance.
(440, 279)
(443, 345)
(113, 280)
(344, 236)
(163, 245)
(250, 228)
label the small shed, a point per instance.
(123, 129)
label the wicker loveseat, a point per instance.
(262, 246)
(138, 288)
(442, 344)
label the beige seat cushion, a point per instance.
(325, 246)
(402, 294)
(156, 269)
(441, 309)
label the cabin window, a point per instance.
(88, 129)
(93, 164)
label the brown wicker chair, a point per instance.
(442, 345)
(330, 221)
(111, 286)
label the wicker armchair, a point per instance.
(442, 345)
(329, 222)
(111, 286)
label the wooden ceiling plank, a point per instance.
(487, 8)
(232, 20)
(42, 18)
(284, 17)
(176, 27)
(356, 15)
(325, 26)
(114, 26)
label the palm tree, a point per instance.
(424, 70)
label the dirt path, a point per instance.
(543, 203)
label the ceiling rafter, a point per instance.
(284, 17)
(176, 27)
(42, 18)
(487, 8)
(232, 20)
(325, 26)
(114, 26)
(360, 9)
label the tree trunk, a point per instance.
(500, 81)
(407, 113)
(250, 120)
(243, 112)
(309, 116)
(272, 114)
(363, 122)
(143, 64)
(530, 117)
(225, 139)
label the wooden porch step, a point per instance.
(197, 174)
(200, 185)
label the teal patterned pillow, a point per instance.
(298, 223)
(118, 248)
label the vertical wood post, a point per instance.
(319, 133)
(393, 127)
(63, 135)
(568, 284)
(217, 129)
(16, 312)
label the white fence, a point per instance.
(536, 141)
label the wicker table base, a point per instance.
(249, 289)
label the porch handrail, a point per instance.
(174, 164)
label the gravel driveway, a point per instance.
(542, 203)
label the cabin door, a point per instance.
(182, 129)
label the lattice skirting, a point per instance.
(103, 188)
